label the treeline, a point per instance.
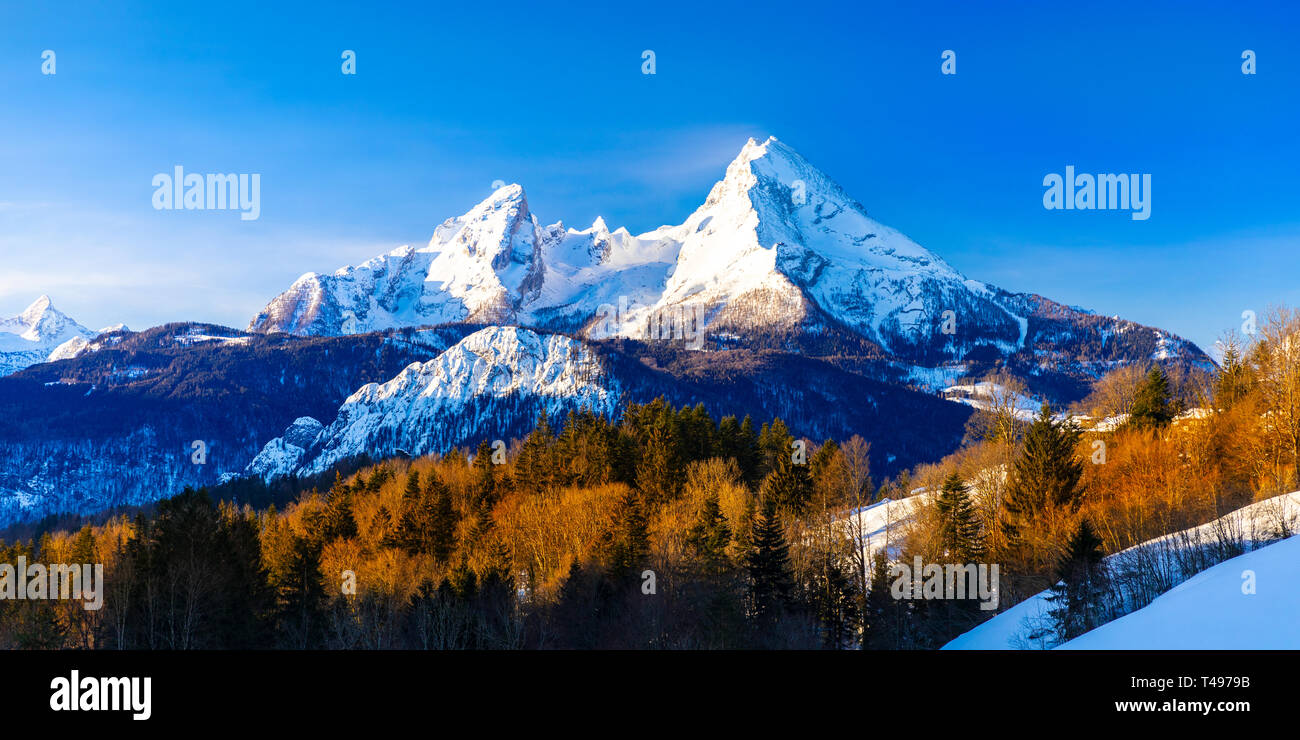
(663, 529)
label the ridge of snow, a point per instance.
(409, 414)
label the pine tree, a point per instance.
(83, 547)
(881, 607)
(483, 485)
(1045, 474)
(960, 532)
(300, 595)
(629, 538)
(412, 491)
(709, 536)
(1082, 583)
(774, 443)
(443, 520)
(428, 521)
(789, 485)
(338, 520)
(659, 474)
(747, 453)
(771, 576)
(823, 459)
(378, 478)
(1153, 404)
(381, 528)
(834, 598)
(533, 469)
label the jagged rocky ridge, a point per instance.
(778, 255)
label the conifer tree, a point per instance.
(1078, 596)
(659, 474)
(378, 478)
(790, 485)
(748, 456)
(1153, 404)
(1046, 473)
(774, 443)
(881, 607)
(533, 466)
(381, 528)
(300, 595)
(710, 535)
(823, 459)
(629, 538)
(834, 598)
(960, 531)
(83, 547)
(484, 483)
(338, 520)
(428, 521)
(770, 573)
(412, 491)
(442, 519)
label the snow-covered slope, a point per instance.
(777, 248)
(1250, 602)
(39, 334)
(286, 451)
(1165, 559)
(778, 243)
(485, 386)
(876, 526)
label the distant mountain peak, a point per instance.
(38, 307)
(36, 335)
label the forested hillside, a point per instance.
(671, 528)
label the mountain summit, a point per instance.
(36, 334)
(778, 254)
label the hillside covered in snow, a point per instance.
(1166, 577)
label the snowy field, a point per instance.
(1255, 528)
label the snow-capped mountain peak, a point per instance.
(34, 335)
(798, 204)
(42, 321)
(489, 382)
(487, 258)
(777, 249)
(477, 268)
(778, 242)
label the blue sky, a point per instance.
(447, 100)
